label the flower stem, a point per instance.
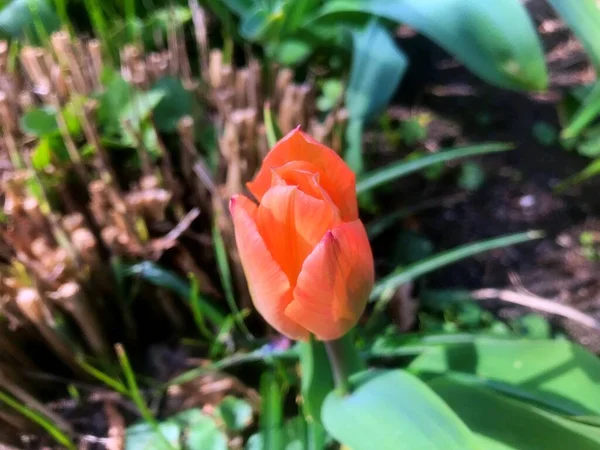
(335, 353)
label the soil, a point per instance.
(518, 192)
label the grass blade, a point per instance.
(137, 397)
(586, 114)
(36, 417)
(271, 128)
(400, 169)
(225, 275)
(391, 282)
(154, 274)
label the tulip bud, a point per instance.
(305, 252)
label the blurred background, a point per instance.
(126, 126)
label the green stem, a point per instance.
(335, 353)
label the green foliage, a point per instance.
(236, 414)
(500, 423)
(383, 175)
(393, 408)
(316, 378)
(388, 284)
(187, 430)
(377, 67)
(555, 372)
(32, 19)
(497, 41)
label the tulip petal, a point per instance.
(335, 282)
(292, 223)
(335, 176)
(269, 286)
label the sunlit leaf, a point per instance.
(558, 370)
(496, 40)
(392, 410)
(500, 423)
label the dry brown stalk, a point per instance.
(71, 298)
(31, 305)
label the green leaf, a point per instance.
(395, 410)
(158, 276)
(400, 169)
(200, 431)
(272, 130)
(471, 176)
(192, 428)
(35, 19)
(295, 436)
(559, 371)
(112, 102)
(377, 68)
(139, 107)
(40, 122)
(586, 114)
(235, 413)
(290, 52)
(176, 103)
(255, 24)
(143, 436)
(495, 40)
(42, 155)
(391, 282)
(583, 16)
(500, 423)
(590, 171)
(271, 413)
(317, 380)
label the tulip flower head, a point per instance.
(305, 252)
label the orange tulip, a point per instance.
(304, 250)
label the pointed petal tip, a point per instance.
(232, 203)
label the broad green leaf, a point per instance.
(33, 19)
(496, 40)
(144, 437)
(176, 103)
(112, 101)
(139, 107)
(39, 122)
(500, 423)
(235, 413)
(187, 430)
(392, 410)
(316, 378)
(289, 52)
(239, 7)
(377, 68)
(388, 284)
(583, 17)
(256, 23)
(200, 431)
(563, 372)
(385, 174)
